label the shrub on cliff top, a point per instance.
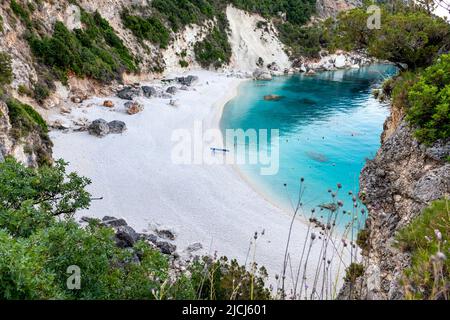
(429, 102)
(427, 239)
(24, 120)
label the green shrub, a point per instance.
(39, 240)
(40, 92)
(150, 28)
(353, 272)
(183, 63)
(6, 74)
(22, 13)
(96, 51)
(427, 239)
(25, 120)
(214, 50)
(23, 90)
(362, 239)
(429, 102)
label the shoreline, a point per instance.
(138, 181)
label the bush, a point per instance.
(214, 50)
(96, 51)
(25, 120)
(427, 239)
(353, 272)
(150, 28)
(21, 12)
(6, 74)
(39, 240)
(429, 102)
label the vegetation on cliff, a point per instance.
(41, 245)
(427, 239)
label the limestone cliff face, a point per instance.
(403, 179)
(331, 8)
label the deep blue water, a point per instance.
(329, 125)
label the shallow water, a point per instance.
(329, 124)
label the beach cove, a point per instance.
(136, 178)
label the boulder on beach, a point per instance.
(188, 81)
(166, 247)
(172, 90)
(149, 91)
(133, 107)
(117, 126)
(113, 222)
(108, 104)
(99, 128)
(273, 97)
(129, 93)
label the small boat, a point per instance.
(220, 150)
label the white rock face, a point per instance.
(250, 43)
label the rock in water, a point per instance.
(133, 107)
(165, 247)
(128, 93)
(149, 91)
(172, 90)
(113, 222)
(273, 97)
(117, 126)
(99, 128)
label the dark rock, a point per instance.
(165, 247)
(128, 93)
(99, 128)
(126, 237)
(166, 234)
(172, 90)
(117, 126)
(187, 81)
(194, 247)
(114, 222)
(150, 238)
(149, 91)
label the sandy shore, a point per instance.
(211, 204)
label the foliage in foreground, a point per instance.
(40, 241)
(427, 239)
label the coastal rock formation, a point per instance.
(403, 179)
(330, 8)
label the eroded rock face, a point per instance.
(403, 179)
(331, 8)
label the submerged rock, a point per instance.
(99, 128)
(273, 97)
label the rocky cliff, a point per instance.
(403, 179)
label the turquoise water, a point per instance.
(329, 125)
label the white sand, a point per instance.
(210, 204)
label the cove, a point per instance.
(329, 125)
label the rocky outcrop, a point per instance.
(331, 8)
(403, 179)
